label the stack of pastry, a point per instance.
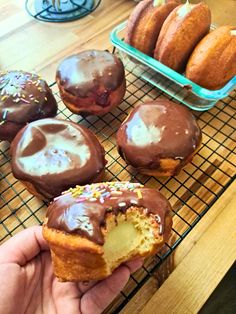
(180, 39)
(50, 155)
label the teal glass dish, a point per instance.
(169, 81)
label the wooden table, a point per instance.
(205, 255)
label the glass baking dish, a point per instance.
(172, 83)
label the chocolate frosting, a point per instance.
(54, 155)
(155, 130)
(88, 71)
(83, 210)
(24, 97)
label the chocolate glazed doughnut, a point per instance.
(51, 155)
(24, 97)
(91, 82)
(159, 138)
(92, 229)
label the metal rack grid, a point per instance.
(71, 10)
(191, 193)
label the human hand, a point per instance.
(28, 284)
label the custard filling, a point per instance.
(126, 237)
(158, 3)
(185, 9)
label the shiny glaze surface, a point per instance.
(25, 97)
(83, 210)
(156, 130)
(55, 154)
(87, 72)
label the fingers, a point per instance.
(100, 296)
(134, 265)
(85, 286)
(23, 246)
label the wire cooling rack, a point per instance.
(191, 193)
(60, 11)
